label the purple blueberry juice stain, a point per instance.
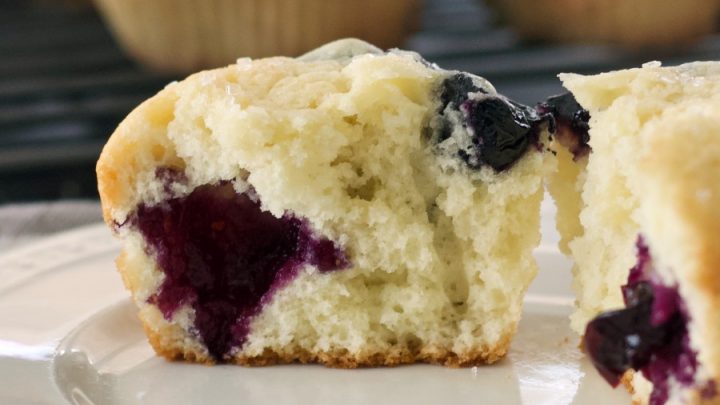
(709, 390)
(225, 257)
(650, 335)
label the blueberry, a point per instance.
(225, 256)
(498, 131)
(620, 340)
(573, 122)
(650, 335)
(501, 132)
(455, 90)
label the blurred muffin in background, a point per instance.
(631, 23)
(80, 5)
(187, 35)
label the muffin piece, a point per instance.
(350, 207)
(635, 24)
(570, 145)
(645, 245)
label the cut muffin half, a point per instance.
(646, 244)
(350, 207)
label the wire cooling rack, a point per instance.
(65, 85)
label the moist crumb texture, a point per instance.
(653, 169)
(201, 245)
(320, 210)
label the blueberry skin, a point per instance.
(455, 90)
(500, 131)
(570, 115)
(625, 339)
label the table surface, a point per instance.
(24, 223)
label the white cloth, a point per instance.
(22, 223)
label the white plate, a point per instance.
(68, 334)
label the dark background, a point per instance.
(65, 85)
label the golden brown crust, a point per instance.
(626, 381)
(341, 358)
(685, 161)
(138, 144)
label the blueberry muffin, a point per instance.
(184, 36)
(646, 145)
(635, 24)
(350, 207)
